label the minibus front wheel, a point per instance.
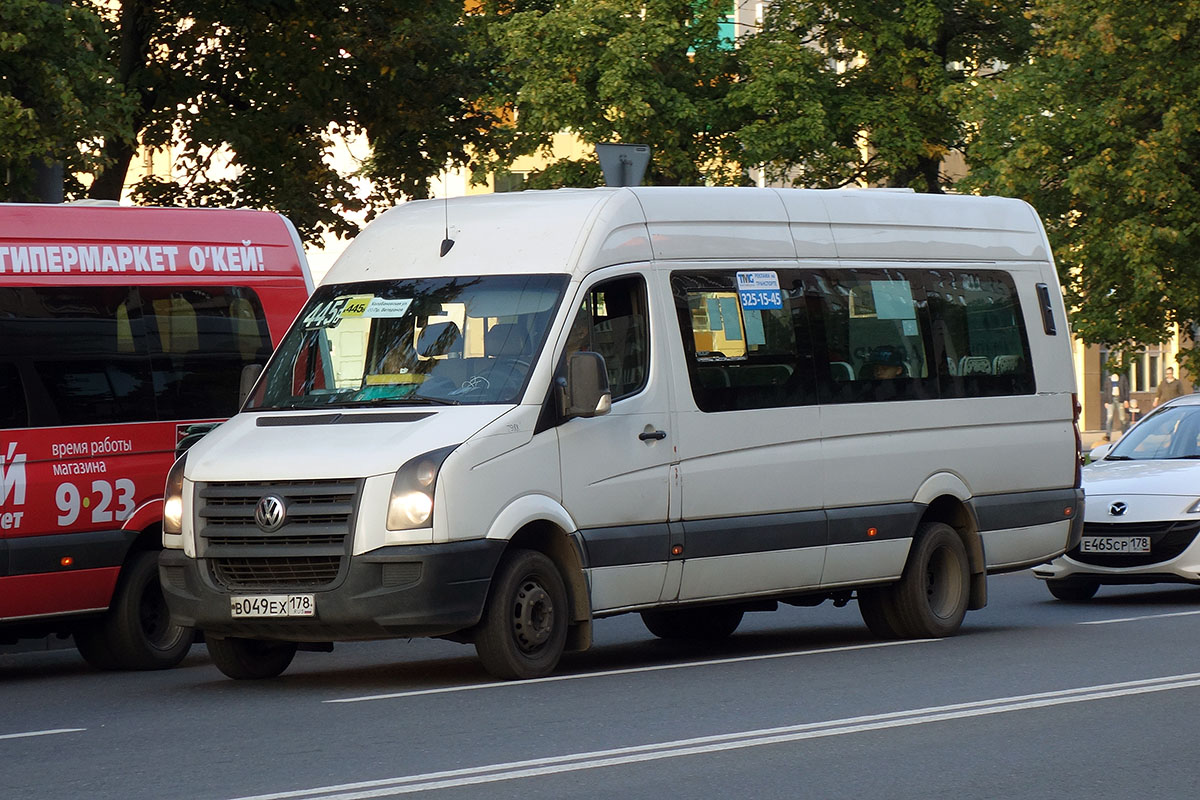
(524, 627)
(250, 659)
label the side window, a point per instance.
(14, 410)
(200, 339)
(84, 349)
(980, 331)
(875, 336)
(738, 357)
(613, 320)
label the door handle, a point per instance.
(647, 436)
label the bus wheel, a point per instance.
(930, 599)
(700, 624)
(1073, 591)
(250, 659)
(524, 627)
(136, 632)
(875, 606)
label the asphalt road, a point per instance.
(1034, 699)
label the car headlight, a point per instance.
(173, 499)
(411, 503)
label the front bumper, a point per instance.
(1174, 555)
(408, 590)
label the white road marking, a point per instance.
(1138, 619)
(40, 733)
(493, 773)
(629, 671)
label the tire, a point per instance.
(524, 626)
(1073, 591)
(930, 599)
(875, 607)
(250, 659)
(694, 624)
(136, 632)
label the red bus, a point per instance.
(124, 335)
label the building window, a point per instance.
(509, 181)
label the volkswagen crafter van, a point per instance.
(503, 417)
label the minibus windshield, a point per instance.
(460, 340)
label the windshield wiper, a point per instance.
(1117, 458)
(1176, 458)
(398, 401)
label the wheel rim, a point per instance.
(533, 615)
(943, 583)
(156, 619)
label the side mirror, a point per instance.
(250, 374)
(1099, 452)
(192, 434)
(582, 390)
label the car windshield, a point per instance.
(461, 340)
(1170, 432)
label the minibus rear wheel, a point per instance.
(524, 627)
(930, 599)
(250, 659)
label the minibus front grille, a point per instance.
(257, 541)
(1167, 541)
(275, 573)
(309, 550)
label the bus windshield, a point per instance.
(461, 340)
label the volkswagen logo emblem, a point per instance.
(270, 513)
(1117, 509)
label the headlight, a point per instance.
(173, 499)
(411, 503)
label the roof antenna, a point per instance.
(447, 242)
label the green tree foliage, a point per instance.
(650, 72)
(1101, 133)
(57, 95)
(857, 90)
(273, 86)
(263, 89)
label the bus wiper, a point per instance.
(398, 401)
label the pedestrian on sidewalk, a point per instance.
(1169, 388)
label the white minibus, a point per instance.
(503, 417)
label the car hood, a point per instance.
(1162, 476)
(331, 444)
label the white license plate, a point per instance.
(1115, 544)
(273, 605)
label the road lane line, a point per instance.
(1138, 619)
(628, 671)
(364, 790)
(27, 734)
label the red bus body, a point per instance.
(120, 329)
